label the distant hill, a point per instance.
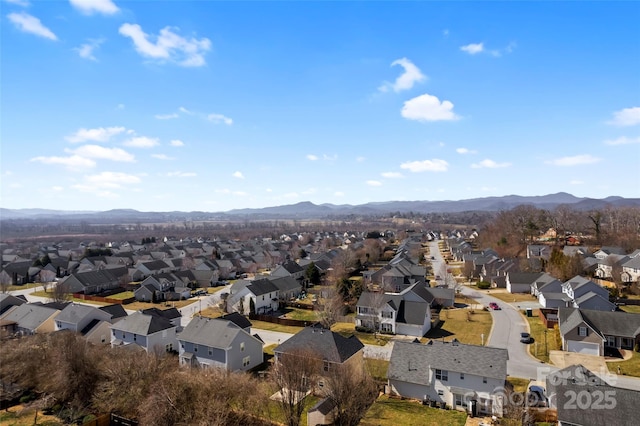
(307, 209)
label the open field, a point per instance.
(392, 412)
(462, 325)
(20, 415)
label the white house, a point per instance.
(451, 373)
(153, 333)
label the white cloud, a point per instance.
(72, 163)
(329, 157)
(168, 46)
(465, 151)
(184, 110)
(112, 179)
(576, 160)
(623, 140)
(176, 143)
(30, 24)
(338, 194)
(100, 134)
(219, 118)
(162, 157)
(312, 157)
(473, 48)
(86, 50)
(166, 116)
(89, 7)
(374, 183)
(360, 159)
(23, 3)
(407, 79)
(435, 165)
(238, 175)
(100, 152)
(489, 164)
(626, 117)
(141, 142)
(392, 175)
(181, 174)
(57, 188)
(428, 108)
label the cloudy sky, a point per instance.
(204, 105)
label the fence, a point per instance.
(109, 300)
(549, 317)
(281, 321)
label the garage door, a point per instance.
(583, 348)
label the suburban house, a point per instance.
(593, 332)
(631, 269)
(90, 282)
(218, 343)
(449, 373)
(583, 291)
(407, 312)
(571, 386)
(30, 318)
(7, 301)
(255, 297)
(80, 318)
(521, 282)
(150, 332)
(288, 269)
(329, 347)
(288, 287)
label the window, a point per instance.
(103, 338)
(123, 335)
(459, 400)
(387, 314)
(442, 375)
(241, 346)
(388, 328)
(195, 348)
(210, 351)
(246, 361)
(321, 383)
(263, 297)
(461, 376)
(325, 366)
(582, 331)
(135, 337)
(440, 393)
(169, 347)
(484, 380)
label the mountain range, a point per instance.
(314, 211)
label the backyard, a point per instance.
(391, 412)
(463, 324)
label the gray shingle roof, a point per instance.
(139, 323)
(410, 362)
(30, 316)
(622, 324)
(329, 346)
(214, 333)
(262, 286)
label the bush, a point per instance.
(483, 285)
(364, 329)
(27, 398)
(88, 418)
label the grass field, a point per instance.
(633, 309)
(509, 297)
(23, 287)
(377, 368)
(456, 324)
(630, 367)
(347, 329)
(20, 415)
(301, 314)
(392, 412)
(270, 326)
(538, 333)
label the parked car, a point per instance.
(525, 338)
(494, 306)
(536, 397)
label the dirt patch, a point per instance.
(563, 359)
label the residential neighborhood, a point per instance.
(223, 305)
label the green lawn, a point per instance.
(393, 412)
(275, 411)
(347, 329)
(538, 333)
(23, 286)
(630, 367)
(270, 326)
(633, 309)
(519, 385)
(456, 324)
(377, 368)
(301, 314)
(122, 296)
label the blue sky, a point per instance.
(204, 105)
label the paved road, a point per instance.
(203, 303)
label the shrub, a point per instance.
(363, 329)
(483, 285)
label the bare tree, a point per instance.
(332, 308)
(60, 292)
(293, 375)
(5, 283)
(351, 390)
